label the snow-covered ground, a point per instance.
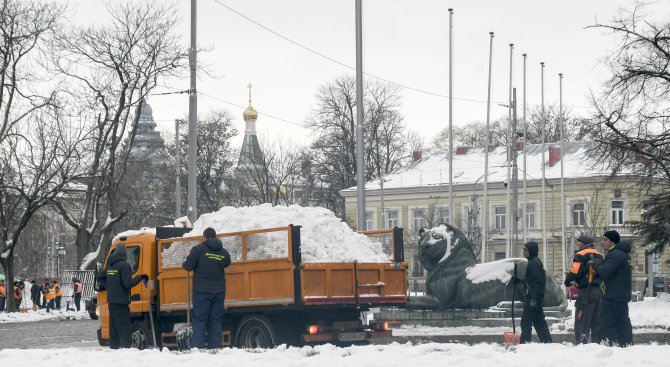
(404, 355)
(41, 315)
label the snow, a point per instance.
(135, 232)
(324, 237)
(469, 167)
(497, 270)
(42, 315)
(183, 222)
(551, 355)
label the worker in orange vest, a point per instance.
(51, 297)
(3, 295)
(59, 294)
(18, 295)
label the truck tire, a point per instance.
(255, 332)
(139, 336)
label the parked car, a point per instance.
(572, 292)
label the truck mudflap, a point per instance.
(101, 341)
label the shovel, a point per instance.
(512, 338)
(151, 314)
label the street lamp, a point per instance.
(60, 252)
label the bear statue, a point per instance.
(455, 280)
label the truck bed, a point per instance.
(278, 279)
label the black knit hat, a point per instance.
(612, 236)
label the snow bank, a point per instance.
(41, 315)
(401, 355)
(324, 237)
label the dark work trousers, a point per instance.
(44, 301)
(119, 326)
(2, 304)
(77, 300)
(586, 311)
(534, 317)
(50, 305)
(614, 322)
(207, 317)
(58, 302)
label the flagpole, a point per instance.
(525, 153)
(507, 159)
(544, 190)
(485, 215)
(451, 112)
(561, 137)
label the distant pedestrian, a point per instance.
(34, 294)
(59, 294)
(208, 261)
(51, 297)
(584, 278)
(3, 295)
(118, 280)
(615, 273)
(44, 290)
(18, 295)
(78, 288)
(533, 313)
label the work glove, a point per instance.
(516, 280)
(145, 278)
(593, 262)
(533, 304)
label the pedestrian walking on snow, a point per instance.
(533, 313)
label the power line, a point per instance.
(341, 63)
(242, 107)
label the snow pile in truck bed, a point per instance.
(324, 237)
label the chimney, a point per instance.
(641, 157)
(519, 145)
(462, 150)
(416, 155)
(554, 155)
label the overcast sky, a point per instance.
(404, 41)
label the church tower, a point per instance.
(250, 154)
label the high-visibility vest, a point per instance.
(59, 292)
(51, 294)
(17, 292)
(2, 291)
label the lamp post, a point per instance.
(60, 253)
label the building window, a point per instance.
(444, 216)
(418, 218)
(498, 256)
(579, 214)
(369, 221)
(500, 213)
(392, 219)
(616, 212)
(531, 215)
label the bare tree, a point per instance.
(334, 123)
(632, 115)
(34, 145)
(112, 68)
(474, 134)
(39, 160)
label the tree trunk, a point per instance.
(8, 267)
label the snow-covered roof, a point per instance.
(469, 167)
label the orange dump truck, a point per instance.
(272, 297)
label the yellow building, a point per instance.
(417, 195)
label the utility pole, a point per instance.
(177, 191)
(515, 187)
(508, 213)
(544, 181)
(560, 130)
(360, 177)
(192, 121)
(525, 154)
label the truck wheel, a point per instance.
(138, 336)
(255, 332)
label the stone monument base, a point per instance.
(499, 315)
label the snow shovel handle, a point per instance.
(188, 298)
(151, 314)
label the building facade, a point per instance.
(418, 196)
